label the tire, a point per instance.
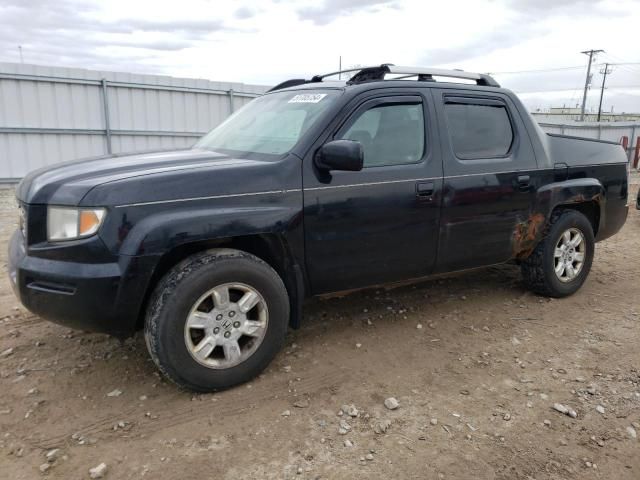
(187, 306)
(539, 269)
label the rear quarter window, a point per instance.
(478, 130)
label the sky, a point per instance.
(267, 41)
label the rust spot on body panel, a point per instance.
(527, 234)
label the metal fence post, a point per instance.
(107, 124)
(633, 136)
(231, 107)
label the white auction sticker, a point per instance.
(308, 98)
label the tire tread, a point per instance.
(165, 290)
(534, 267)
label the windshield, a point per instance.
(271, 124)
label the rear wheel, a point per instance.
(217, 319)
(561, 262)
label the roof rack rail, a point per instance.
(368, 74)
(378, 72)
(289, 83)
(318, 78)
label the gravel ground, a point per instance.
(475, 362)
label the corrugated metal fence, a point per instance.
(52, 114)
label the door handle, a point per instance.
(424, 190)
(523, 182)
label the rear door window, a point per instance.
(479, 129)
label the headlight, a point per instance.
(22, 221)
(65, 223)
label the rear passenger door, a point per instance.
(490, 176)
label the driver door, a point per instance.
(380, 224)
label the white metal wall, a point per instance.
(52, 114)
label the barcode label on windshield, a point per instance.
(308, 98)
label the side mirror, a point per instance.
(340, 155)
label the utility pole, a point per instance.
(605, 71)
(591, 53)
(20, 50)
(340, 67)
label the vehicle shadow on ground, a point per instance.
(443, 289)
(377, 302)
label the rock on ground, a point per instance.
(350, 410)
(558, 407)
(391, 403)
(99, 471)
(382, 426)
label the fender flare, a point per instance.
(163, 232)
(530, 231)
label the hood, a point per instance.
(67, 183)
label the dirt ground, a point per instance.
(476, 353)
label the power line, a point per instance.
(539, 70)
(560, 69)
(620, 60)
(630, 67)
(618, 87)
(626, 68)
(587, 81)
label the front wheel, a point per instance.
(216, 319)
(560, 263)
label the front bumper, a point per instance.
(100, 297)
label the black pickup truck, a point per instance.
(317, 186)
